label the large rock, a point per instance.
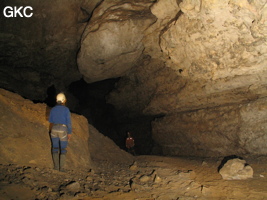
(112, 42)
(236, 169)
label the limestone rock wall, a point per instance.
(196, 46)
(229, 130)
(220, 46)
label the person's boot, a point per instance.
(62, 162)
(56, 160)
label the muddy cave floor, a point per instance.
(149, 178)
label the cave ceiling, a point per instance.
(172, 55)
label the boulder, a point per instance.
(236, 169)
(112, 42)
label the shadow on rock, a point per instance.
(225, 159)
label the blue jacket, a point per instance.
(61, 115)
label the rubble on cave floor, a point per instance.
(149, 177)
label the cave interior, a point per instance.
(187, 78)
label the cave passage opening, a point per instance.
(107, 119)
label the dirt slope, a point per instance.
(24, 137)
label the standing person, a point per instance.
(61, 129)
(130, 143)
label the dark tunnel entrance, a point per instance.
(109, 121)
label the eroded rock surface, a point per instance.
(236, 169)
(204, 57)
(215, 61)
(112, 42)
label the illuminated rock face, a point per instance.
(112, 42)
(200, 65)
(204, 69)
(211, 56)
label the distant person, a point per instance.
(61, 129)
(130, 143)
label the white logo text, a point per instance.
(18, 12)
